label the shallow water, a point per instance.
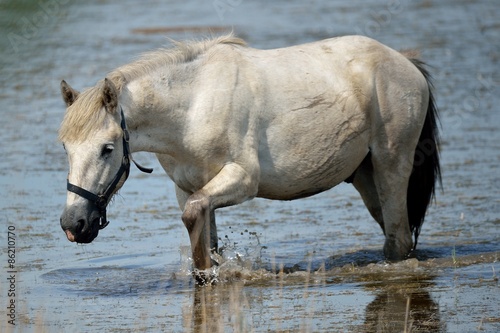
(313, 265)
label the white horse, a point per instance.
(229, 123)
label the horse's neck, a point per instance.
(155, 109)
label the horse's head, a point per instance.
(94, 136)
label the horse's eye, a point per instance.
(107, 150)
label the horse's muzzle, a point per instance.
(83, 238)
(79, 225)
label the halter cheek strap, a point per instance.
(101, 200)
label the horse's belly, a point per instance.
(303, 164)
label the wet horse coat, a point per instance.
(229, 123)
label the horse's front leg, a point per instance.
(196, 218)
(182, 197)
(232, 185)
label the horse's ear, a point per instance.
(109, 96)
(69, 94)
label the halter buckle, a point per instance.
(101, 202)
(103, 222)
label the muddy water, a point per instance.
(313, 265)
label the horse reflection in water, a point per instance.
(403, 306)
(229, 123)
(397, 308)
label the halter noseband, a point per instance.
(101, 200)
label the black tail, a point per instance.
(426, 169)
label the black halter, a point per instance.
(101, 200)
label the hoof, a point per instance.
(206, 277)
(395, 251)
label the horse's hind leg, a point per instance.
(365, 185)
(391, 172)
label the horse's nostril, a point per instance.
(79, 226)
